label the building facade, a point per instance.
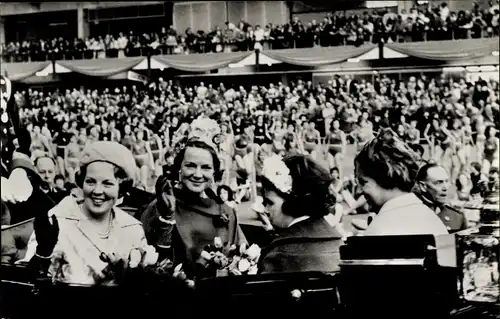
(28, 20)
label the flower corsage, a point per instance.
(276, 172)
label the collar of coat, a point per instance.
(69, 209)
(201, 205)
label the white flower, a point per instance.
(150, 256)
(276, 171)
(253, 252)
(135, 258)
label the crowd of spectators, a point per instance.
(452, 122)
(419, 24)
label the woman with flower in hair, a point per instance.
(297, 199)
(386, 168)
(188, 215)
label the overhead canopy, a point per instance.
(318, 56)
(201, 62)
(38, 80)
(22, 70)
(101, 67)
(448, 50)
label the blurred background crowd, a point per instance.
(450, 122)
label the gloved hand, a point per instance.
(17, 188)
(47, 234)
(165, 198)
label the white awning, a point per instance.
(49, 70)
(155, 65)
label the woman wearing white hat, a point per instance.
(83, 234)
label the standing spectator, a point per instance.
(122, 45)
(171, 41)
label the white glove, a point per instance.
(20, 185)
(7, 195)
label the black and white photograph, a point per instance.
(273, 159)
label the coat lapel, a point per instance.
(88, 231)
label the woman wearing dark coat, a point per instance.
(188, 216)
(296, 197)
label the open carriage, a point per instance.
(450, 276)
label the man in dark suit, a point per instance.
(432, 187)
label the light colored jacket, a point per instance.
(81, 246)
(405, 215)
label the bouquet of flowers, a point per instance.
(230, 261)
(141, 271)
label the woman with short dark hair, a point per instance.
(297, 198)
(187, 215)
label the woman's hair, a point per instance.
(389, 161)
(487, 130)
(197, 144)
(477, 166)
(289, 143)
(70, 186)
(230, 194)
(59, 176)
(417, 148)
(310, 181)
(124, 182)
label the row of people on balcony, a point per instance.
(437, 23)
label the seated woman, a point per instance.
(297, 199)
(185, 218)
(81, 232)
(386, 169)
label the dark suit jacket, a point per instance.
(453, 219)
(310, 245)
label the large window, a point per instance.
(137, 25)
(41, 25)
(139, 19)
(117, 13)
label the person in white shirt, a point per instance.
(201, 91)
(122, 45)
(259, 37)
(386, 168)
